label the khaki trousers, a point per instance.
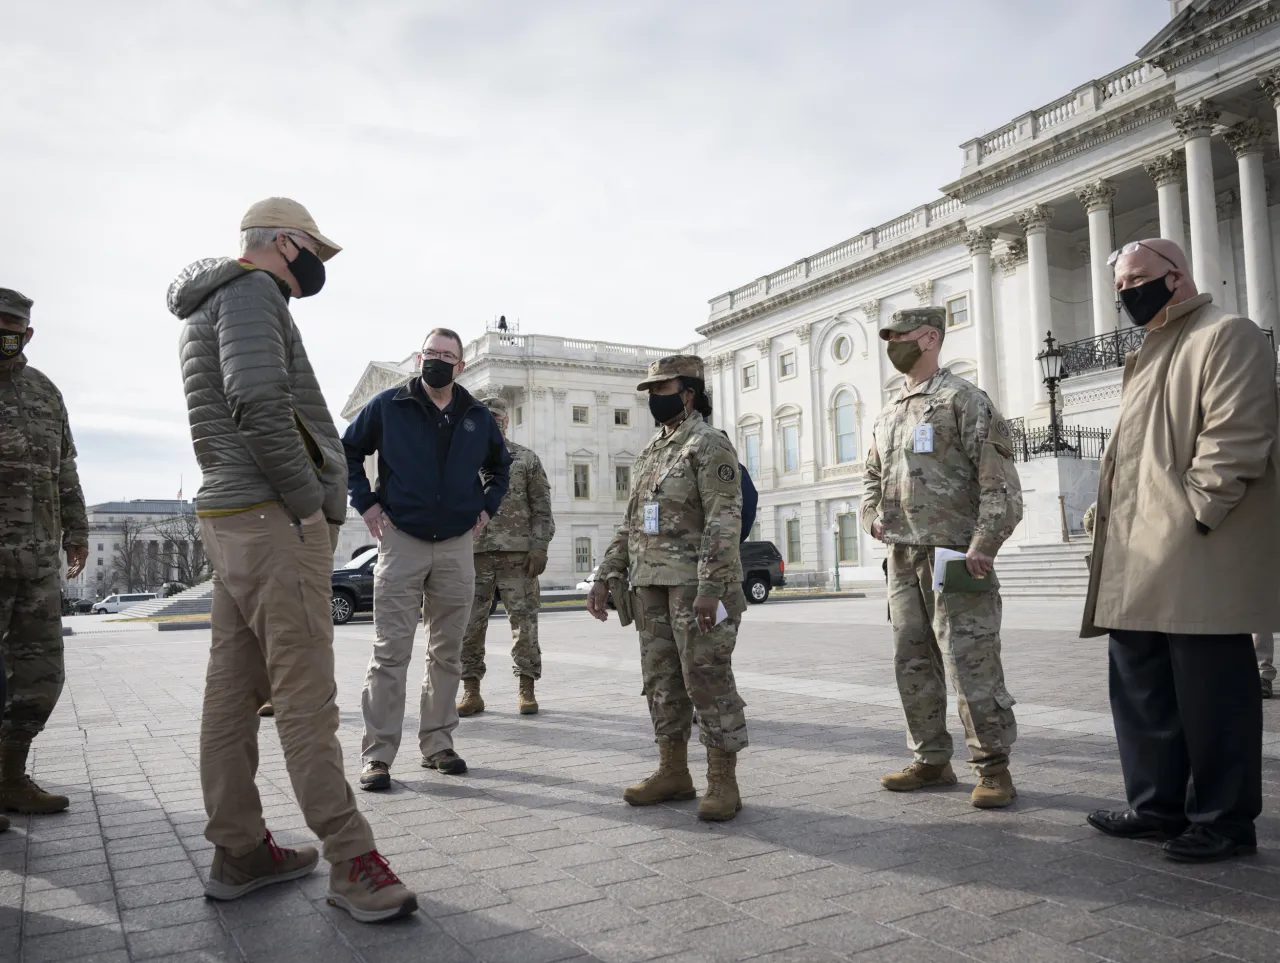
(1264, 647)
(434, 580)
(273, 638)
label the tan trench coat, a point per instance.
(1197, 439)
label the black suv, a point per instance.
(762, 570)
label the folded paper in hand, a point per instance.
(941, 556)
(721, 613)
(951, 574)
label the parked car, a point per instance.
(113, 604)
(83, 606)
(763, 570)
(352, 587)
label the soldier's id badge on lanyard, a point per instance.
(923, 440)
(651, 518)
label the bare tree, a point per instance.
(182, 552)
(129, 561)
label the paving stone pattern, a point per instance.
(532, 857)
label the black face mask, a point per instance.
(11, 344)
(437, 373)
(308, 270)
(665, 407)
(1145, 301)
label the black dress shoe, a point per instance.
(1129, 825)
(1200, 844)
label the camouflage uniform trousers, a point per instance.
(963, 630)
(521, 596)
(685, 670)
(31, 644)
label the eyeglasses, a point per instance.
(440, 356)
(1132, 248)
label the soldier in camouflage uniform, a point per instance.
(940, 473)
(41, 511)
(678, 544)
(510, 554)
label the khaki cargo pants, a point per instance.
(273, 639)
(416, 579)
(935, 633)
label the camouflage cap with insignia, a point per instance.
(495, 403)
(673, 366)
(911, 318)
(14, 304)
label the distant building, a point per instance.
(575, 403)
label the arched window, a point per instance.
(846, 428)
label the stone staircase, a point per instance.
(194, 601)
(1054, 571)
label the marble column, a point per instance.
(1097, 198)
(1167, 171)
(979, 244)
(1270, 84)
(1247, 140)
(1195, 124)
(1035, 222)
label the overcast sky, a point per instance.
(596, 168)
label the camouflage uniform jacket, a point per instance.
(691, 475)
(41, 504)
(965, 492)
(524, 522)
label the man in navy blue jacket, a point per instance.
(442, 473)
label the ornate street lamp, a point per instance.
(1052, 368)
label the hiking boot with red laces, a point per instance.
(367, 889)
(232, 877)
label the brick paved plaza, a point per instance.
(533, 857)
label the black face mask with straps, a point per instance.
(1142, 302)
(307, 269)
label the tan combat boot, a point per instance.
(367, 889)
(230, 878)
(994, 792)
(18, 794)
(722, 800)
(919, 775)
(471, 702)
(671, 781)
(528, 702)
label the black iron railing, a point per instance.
(1109, 350)
(1072, 442)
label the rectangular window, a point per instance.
(581, 481)
(581, 414)
(848, 529)
(787, 364)
(622, 417)
(582, 554)
(748, 376)
(790, 448)
(793, 541)
(99, 563)
(99, 546)
(752, 445)
(621, 482)
(519, 415)
(958, 311)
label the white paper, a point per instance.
(721, 613)
(651, 518)
(941, 556)
(923, 439)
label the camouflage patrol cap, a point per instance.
(14, 304)
(673, 366)
(495, 403)
(912, 318)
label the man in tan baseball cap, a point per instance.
(285, 214)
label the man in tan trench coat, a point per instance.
(1183, 565)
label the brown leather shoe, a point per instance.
(367, 889)
(231, 877)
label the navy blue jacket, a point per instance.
(419, 501)
(749, 500)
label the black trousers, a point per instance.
(1189, 725)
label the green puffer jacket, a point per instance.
(41, 505)
(261, 429)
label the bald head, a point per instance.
(1151, 260)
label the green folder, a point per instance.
(956, 578)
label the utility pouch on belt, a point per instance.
(621, 597)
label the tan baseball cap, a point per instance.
(288, 214)
(673, 366)
(912, 318)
